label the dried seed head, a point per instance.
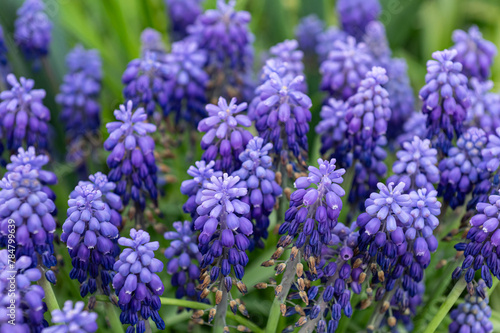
(299, 310)
(198, 321)
(204, 293)
(299, 270)
(234, 306)
(243, 310)
(364, 304)
(283, 309)
(288, 193)
(391, 321)
(197, 314)
(294, 253)
(218, 297)
(241, 287)
(301, 284)
(304, 297)
(385, 307)
(226, 330)
(242, 328)
(268, 263)
(302, 320)
(280, 268)
(211, 314)
(278, 253)
(278, 290)
(381, 276)
(278, 177)
(261, 285)
(362, 278)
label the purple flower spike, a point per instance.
(132, 159)
(474, 53)
(4, 64)
(257, 175)
(484, 111)
(376, 40)
(91, 239)
(445, 98)
(333, 128)
(345, 67)
(356, 14)
(28, 297)
(73, 319)
(474, 314)
(415, 125)
(137, 283)
(464, 168)
(78, 98)
(226, 135)
(184, 259)
(327, 40)
(23, 201)
(288, 54)
(182, 14)
(187, 84)
(23, 117)
(33, 30)
(307, 33)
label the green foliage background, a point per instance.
(415, 29)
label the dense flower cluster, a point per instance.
(29, 307)
(376, 40)
(474, 314)
(225, 134)
(72, 319)
(290, 57)
(187, 83)
(333, 129)
(4, 64)
(132, 159)
(307, 32)
(484, 111)
(184, 259)
(326, 41)
(91, 239)
(415, 125)
(23, 117)
(136, 283)
(23, 201)
(182, 13)
(257, 175)
(474, 53)
(356, 14)
(283, 115)
(464, 168)
(78, 98)
(345, 67)
(33, 30)
(445, 98)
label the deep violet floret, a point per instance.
(356, 14)
(72, 319)
(182, 13)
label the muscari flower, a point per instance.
(24, 118)
(415, 125)
(464, 168)
(474, 53)
(356, 14)
(333, 129)
(225, 134)
(152, 43)
(187, 83)
(445, 98)
(256, 174)
(33, 30)
(23, 200)
(474, 314)
(326, 41)
(290, 56)
(137, 283)
(345, 67)
(4, 64)
(376, 40)
(184, 259)
(91, 239)
(72, 319)
(132, 159)
(145, 82)
(484, 111)
(223, 240)
(78, 98)
(309, 224)
(182, 13)
(284, 108)
(29, 306)
(307, 33)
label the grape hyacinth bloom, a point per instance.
(78, 98)
(226, 135)
(29, 307)
(24, 118)
(481, 246)
(474, 314)
(182, 13)
(91, 240)
(309, 223)
(132, 159)
(187, 83)
(33, 30)
(184, 259)
(257, 175)
(223, 241)
(23, 201)
(474, 53)
(464, 168)
(345, 67)
(307, 32)
(290, 56)
(415, 125)
(284, 108)
(4, 64)
(376, 40)
(327, 40)
(72, 319)
(484, 111)
(152, 43)
(356, 14)
(201, 173)
(137, 283)
(333, 129)
(145, 82)
(445, 98)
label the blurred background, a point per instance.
(415, 29)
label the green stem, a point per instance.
(274, 316)
(114, 319)
(50, 297)
(446, 306)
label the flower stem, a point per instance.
(446, 306)
(274, 316)
(114, 320)
(50, 297)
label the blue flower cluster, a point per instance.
(72, 319)
(182, 14)
(307, 33)
(4, 63)
(356, 14)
